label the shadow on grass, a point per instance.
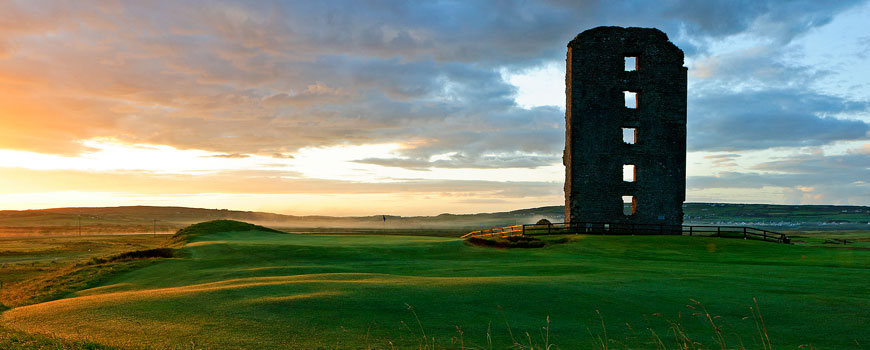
(516, 242)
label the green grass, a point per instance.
(263, 290)
(16, 340)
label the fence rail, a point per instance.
(506, 231)
(601, 228)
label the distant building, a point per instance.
(625, 146)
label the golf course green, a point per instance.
(228, 289)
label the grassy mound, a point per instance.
(215, 226)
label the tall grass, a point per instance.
(668, 334)
(16, 340)
(60, 283)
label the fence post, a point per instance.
(744, 232)
(718, 231)
(524, 229)
(690, 230)
(765, 235)
(548, 227)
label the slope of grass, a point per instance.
(59, 283)
(261, 290)
(26, 258)
(215, 226)
(17, 340)
(84, 275)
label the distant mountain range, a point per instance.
(141, 219)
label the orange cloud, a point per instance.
(313, 94)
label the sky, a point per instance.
(406, 108)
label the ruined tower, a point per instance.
(625, 148)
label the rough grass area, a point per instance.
(16, 340)
(26, 258)
(60, 283)
(186, 234)
(35, 270)
(64, 281)
(136, 254)
(261, 290)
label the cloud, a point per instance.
(259, 182)
(723, 160)
(761, 119)
(780, 20)
(317, 93)
(231, 156)
(463, 160)
(270, 78)
(854, 163)
(282, 156)
(864, 150)
(813, 177)
(756, 67)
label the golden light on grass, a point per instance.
(287, 298)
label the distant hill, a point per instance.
(147, 219)
(141, 219)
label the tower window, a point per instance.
(629, 205)
(629, 135)
(630, 63)
(629, 173)
(630, 99)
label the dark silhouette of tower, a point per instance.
(625, 145)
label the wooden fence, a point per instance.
(599, 228)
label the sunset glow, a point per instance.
(274, 107)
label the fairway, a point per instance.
(266, 290)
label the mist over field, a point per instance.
(165, 220)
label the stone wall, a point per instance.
(596, 113)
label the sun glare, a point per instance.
(113, 155)
(338, 162)
(341, 163)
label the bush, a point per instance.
(136, 254)
(507, 242)
(543, 222)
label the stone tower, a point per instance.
(625, 148)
